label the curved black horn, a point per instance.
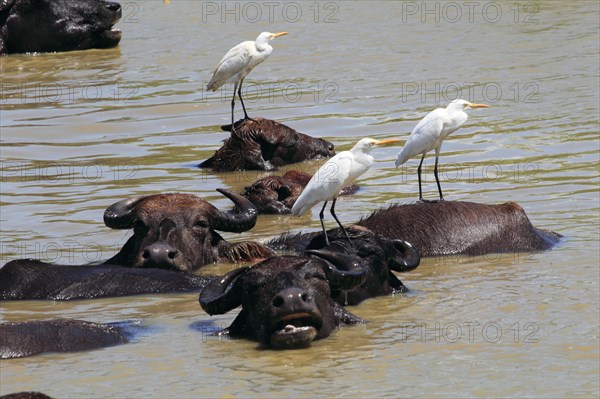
(343, 271)
(243, 220)
(221, 295)
(120, 214)
(406, 257)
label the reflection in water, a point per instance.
(81, 130)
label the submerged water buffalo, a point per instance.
(447, 228)
(263, 144)
(25, 395)
(277, 194)
(380, 256)
(28, 26)
(178, 231)
(59, 335)
(175, 232)
(286, 300)
(454, 227)
(33, 279)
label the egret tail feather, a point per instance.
(402, 158)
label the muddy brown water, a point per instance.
(81, 130)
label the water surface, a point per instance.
(82, 130)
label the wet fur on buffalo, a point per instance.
(33, 279)
(178, 231)
(454, 227)
(28, 26)
(286, 300)
(59, 335)
(263, 144)
(277, 194)
(447, 228)
(25, 395)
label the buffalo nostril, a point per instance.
(113, 6)
(304, 297)
(330, 147)
(160, 253)
(277, 301)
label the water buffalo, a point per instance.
(25, 395)
(446, 228)
(454, 227)
(286, 300)
(277, 194)
(28, 26)
(59, 335)
(263, 144)
(380, 256)
(33, 279)
(177, 231)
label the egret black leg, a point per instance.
(419, 176)
(321, 216)
(437, 180)
(338, 221)
(242, 101)
(232, 108)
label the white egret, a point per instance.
(335, 174)
(237, 64)
(430, 133)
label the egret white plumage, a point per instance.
(335, 174)
(237, 64)
(430, 132)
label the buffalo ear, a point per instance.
(395, 283)
(223, 294)
(405, 256)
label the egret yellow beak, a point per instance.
(274, 35)
(471, 105)
(386, 142)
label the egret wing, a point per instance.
(423, 136)
(232, 63)
(326, 183)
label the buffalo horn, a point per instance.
(344, 272)
(407, 259)
(120, 215)
(242, 220)
(221, 295)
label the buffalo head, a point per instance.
(286, 300)
(57, 25)
(380, 255)
(277, 194)
(177, 231)
(263, 144)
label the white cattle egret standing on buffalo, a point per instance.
(335, 174)
(237, 64)
(430, 133)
